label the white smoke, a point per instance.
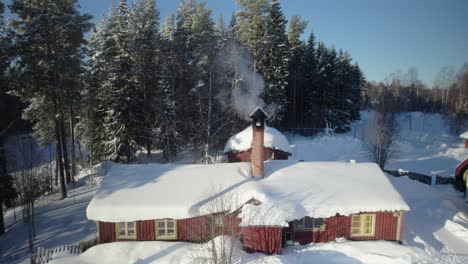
(245, 87)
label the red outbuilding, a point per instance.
(276, 145)
(267, 205)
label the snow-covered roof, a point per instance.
(290, 190)
(258, 108)
(464, 135)
(242, 141)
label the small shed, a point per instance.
(239, 147)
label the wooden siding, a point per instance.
(106, 232)
(244, 156)
(197, 229)
(267, 240)
(386, 228)
(145, 230)
(460, 169)
(192, 229)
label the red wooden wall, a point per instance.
(192, 229)
(386, 228)
(262, 239)
(106, 232)
(146, 230)
(196, 229)
(461, 169)
(258, 238)
(244, 156)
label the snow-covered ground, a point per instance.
(58, 222)
(436, 228)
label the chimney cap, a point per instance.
(258, 113)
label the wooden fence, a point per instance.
(445, 180)
(422, 178)
(44, 255)
(412, 175)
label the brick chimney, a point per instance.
(258, 149)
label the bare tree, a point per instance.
(380, 139)
(27, 178)
(220, 241)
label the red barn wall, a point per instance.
(262, 239)
(192, 229)
(386, 228)
(244, 156)
(106, 232)
(146, 230)
(196, 229)
(461, 169)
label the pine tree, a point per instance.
(50, 36)
(7, 189)
(144, 27)
(273, 64)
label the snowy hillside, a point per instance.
(426, 146)
(436, 228)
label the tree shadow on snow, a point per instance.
(160, 254)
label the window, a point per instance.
(126, 230)
(270, 155)
(363, 225)
(219, 220)
(309, 223)
(166, 229)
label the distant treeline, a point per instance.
(406, 93)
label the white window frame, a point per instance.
(126, 236)
(313, 228)
(166, 236)
(361, 225)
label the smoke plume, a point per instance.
(244, 87)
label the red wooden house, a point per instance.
(267, 204)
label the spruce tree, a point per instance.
(123, 100)
(90, 130)
(312, 91)
(250, 26)
(145, 50)
(274, 62)
(168, 130)
(296, 83)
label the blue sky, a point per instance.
(381, 35)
